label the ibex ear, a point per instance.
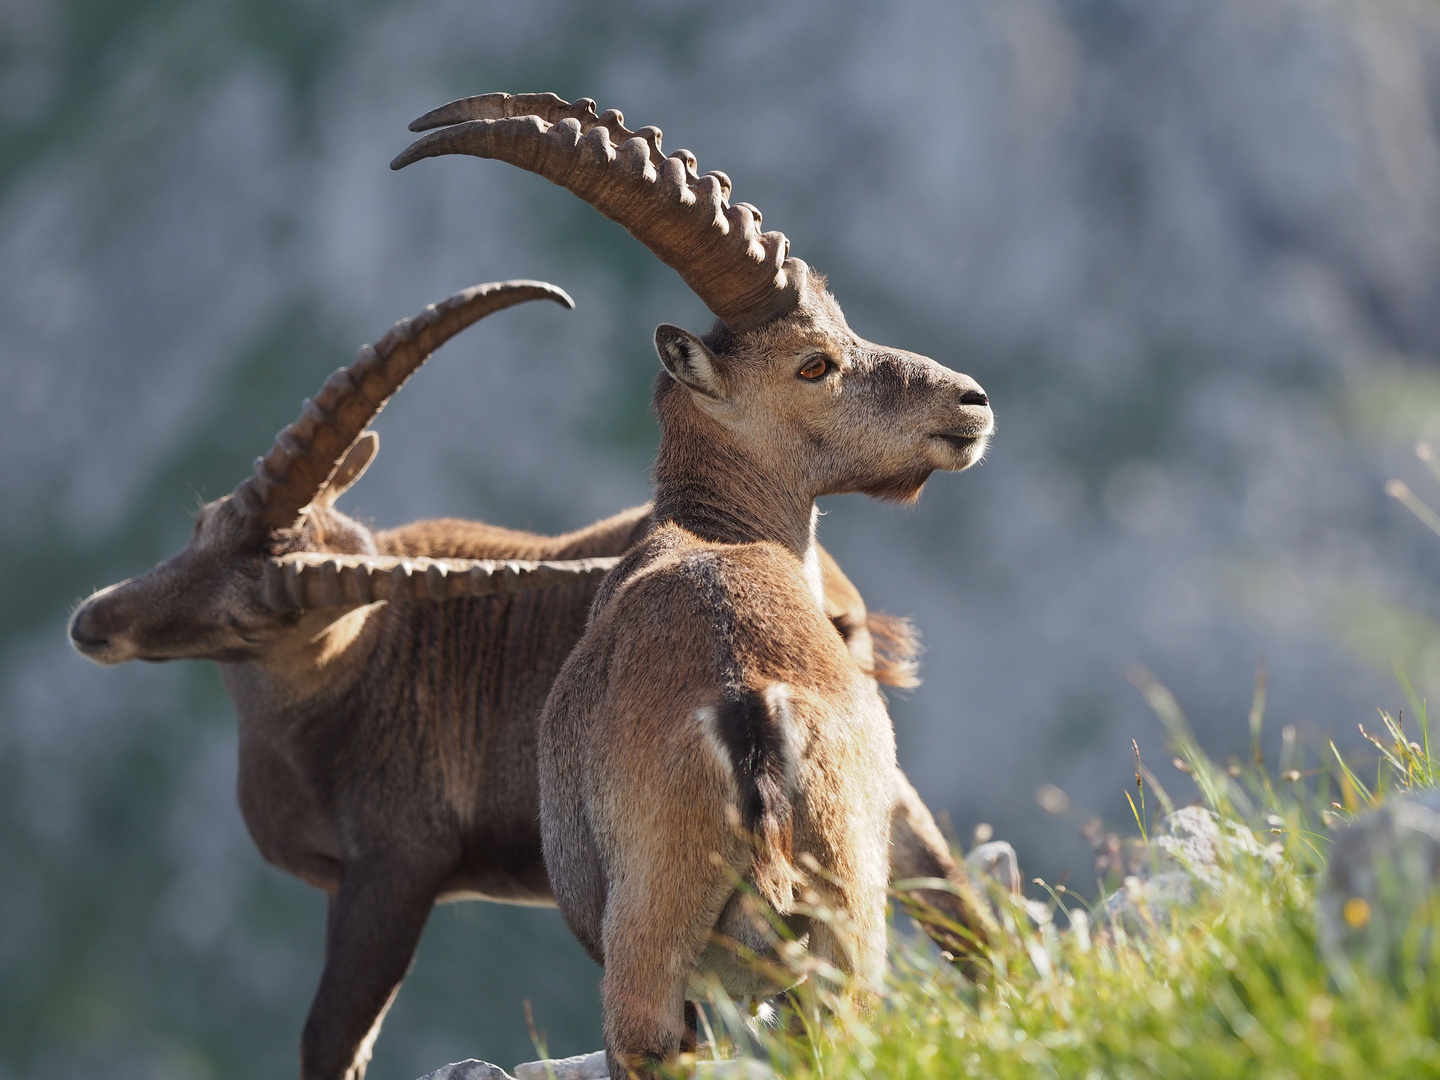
(357, 460)
(690, 360)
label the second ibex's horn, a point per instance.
(306, 453)
(687, 220)
(317, 579)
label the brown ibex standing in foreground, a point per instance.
(710, 727)
(387, 750)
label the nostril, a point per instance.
(974, 397)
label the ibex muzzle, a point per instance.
(710, 726)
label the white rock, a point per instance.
(996, 860)
(592, 1067)
(1193, 850)
(469, 1069)
(580, 1067)
(736, 1069)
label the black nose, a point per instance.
(974, 397)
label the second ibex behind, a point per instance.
(710, 728)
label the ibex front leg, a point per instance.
(373, 928)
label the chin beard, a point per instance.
(901, 489)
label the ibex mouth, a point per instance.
(965, 449)
(88, 639)
(103, 651)
(961, 440)
(958, 437)
(89, 645)
(972, 425)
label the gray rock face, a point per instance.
(1383, 869)
(1141, 903)
(736, 1069)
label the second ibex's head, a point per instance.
(781, 368)
(244, 581)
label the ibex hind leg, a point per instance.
(849, 871)
(855, 943)
(655, 931)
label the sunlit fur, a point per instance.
(690, 641)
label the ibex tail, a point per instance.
(756, 730)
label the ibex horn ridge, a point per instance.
(305, 580)
(307, 452)
(743, 275)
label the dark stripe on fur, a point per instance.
(704, 569)
(756, 746)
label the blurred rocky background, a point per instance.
(1190, 247)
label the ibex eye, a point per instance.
(816, 367)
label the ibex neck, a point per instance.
(719, 494)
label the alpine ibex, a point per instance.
(710, 727)
(387, 750)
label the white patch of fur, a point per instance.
(814, 578)
(706, 717)
(777, 704)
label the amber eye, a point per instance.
(817, 367)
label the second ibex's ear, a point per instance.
(690, 361)
(357, 460)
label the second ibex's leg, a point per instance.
(958, 921)
(690, 1040)
(373, 928)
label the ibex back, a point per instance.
(387, 750)
(710, 727)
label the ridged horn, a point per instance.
(306, 453)
(687, 220)
(310, 579)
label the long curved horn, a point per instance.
(306, 453)
(317, 580)
(687, 220)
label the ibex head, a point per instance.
(781, 368)
(208, 600)
(869, 418)
(249, 575)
